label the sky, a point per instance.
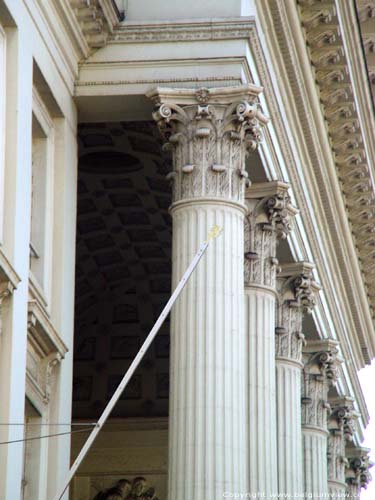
(367, 379)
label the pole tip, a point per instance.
(214, 232)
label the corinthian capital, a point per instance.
(210, 132)
(297, 292)
(343, 417)
(358, 471)
(267, 220)
(321, 361)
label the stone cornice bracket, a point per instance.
(8, 282)
(209, 132)
(321, 370)
(45, 351)
(268, 218)
(357, 473)
(297, 293)
(96, 20)
(6, 289)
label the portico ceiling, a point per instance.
(123, 268)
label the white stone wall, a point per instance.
(37, 173)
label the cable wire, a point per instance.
(89, 429)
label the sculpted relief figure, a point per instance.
(126, 490)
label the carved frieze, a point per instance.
(209, 132)
(297, 292)
(268, 219)
(320, 371)
(180, 32)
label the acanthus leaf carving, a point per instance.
(210, 132)
(268, 219)
(358, 471)
(341, 425)
(321, 370)
(297, 292)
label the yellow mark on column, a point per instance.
(214, 232)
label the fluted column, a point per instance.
(341, 431)
(209, 131)
(296, 290)
(320, 358)
(268, 218)
(357, 472)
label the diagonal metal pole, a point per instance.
(215, 231)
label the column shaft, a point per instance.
(315, 461)
(261, 409)
(207, 357)
(289, 435)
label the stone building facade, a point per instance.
(128, 128)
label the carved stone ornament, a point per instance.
(297, 292)
(321, 362)
(209, 132)
(358, 471)
(45, 350)
(6, 289)
(341, 425)
(267, 220)
(96, 20)
(330, 57)
(128, 490)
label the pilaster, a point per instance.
(296, 296)
(320, 371)
(209, 132)
(16, 223)
(341, 424)
(267, 220)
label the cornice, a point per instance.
(43, 332)
(311, 171)
(212, 29)
(88, 22)
(339, 70)
(317, 151)
(7, 273)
